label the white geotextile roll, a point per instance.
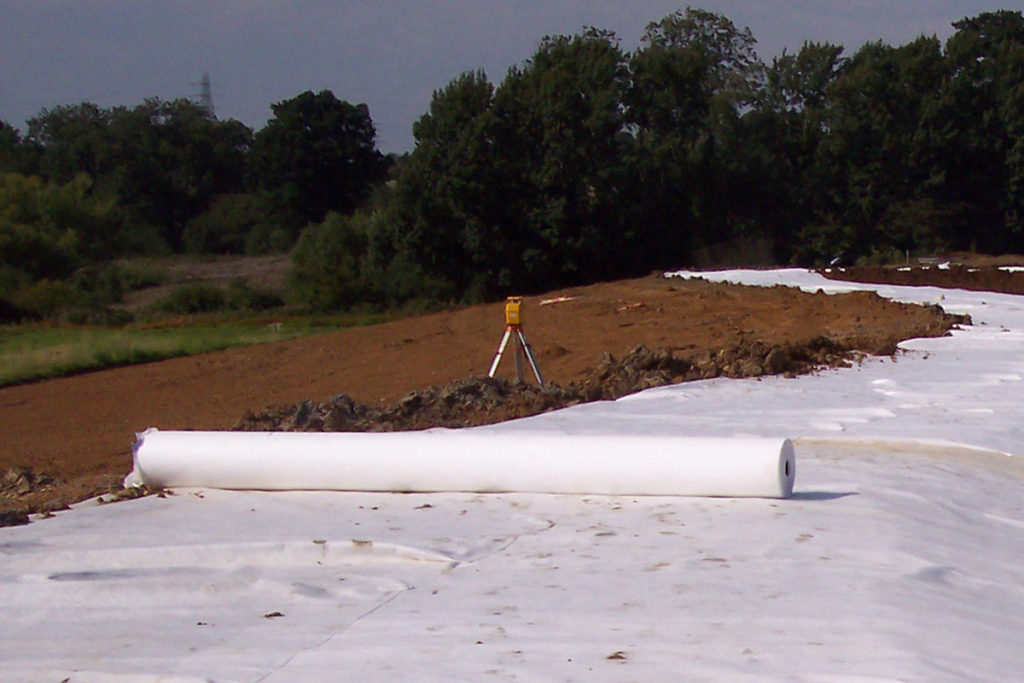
(466, 460)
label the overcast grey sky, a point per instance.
(390, 54)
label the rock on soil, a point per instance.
(21, 489)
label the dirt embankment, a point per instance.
(1002, 275)
(71, 437)
(485, 400)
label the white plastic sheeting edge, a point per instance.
(466, 460)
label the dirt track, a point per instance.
(80, 429)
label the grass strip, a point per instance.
(35, 352)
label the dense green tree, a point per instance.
(317, 154)
(783, 138)
(329, 263)
(694, 78)
(733, 70)
(233, 224)
(522, 187)
(49, 229)
(451, 191)
(983, 121)
(880, 155)
(72, 139)
(172, 159)
(15, 155)
(560, 132)
(799, 82)
(986, 35)
(894, 149)
(165, 161)
(668, 105)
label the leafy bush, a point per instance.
(882, 256)
(819, 244)
(226, 226)
(84, 298)
(100, 283)
(144, 238)
(195, 298)
(351, 262)
(46, 298)
(327, 263)
(135, 277)
(105, 317)
(243, 297)
(267, 238)
(403, 282)
(202, 298)
(47, 230)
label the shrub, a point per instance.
(195, 298)
(266, 238)
(48, 229)
(135, 277)
(882, 256)
(106, 317)
(46, 298)
(9, 313)
(99, 283)
(818, 244)
(404, 282)
(243, 297)
(326, 263)
(84, 298)
(37, 252)
(347, 262)
(226, 226)
(202, 298)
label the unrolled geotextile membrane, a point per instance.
(466, 460)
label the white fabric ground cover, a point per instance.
(899, 556)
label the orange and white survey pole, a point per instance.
(514, 327)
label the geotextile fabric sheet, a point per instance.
(466, 460)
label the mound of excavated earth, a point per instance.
(68, 439)
(970, 276)
(486, 400)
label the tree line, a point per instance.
(585, 162)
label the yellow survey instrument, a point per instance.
(514, 328)
(513, 310)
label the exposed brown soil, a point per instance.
(952, 275)
(72, 436)
(484, 400)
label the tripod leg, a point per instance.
(529, 356)
(501, 350)
(519, 357)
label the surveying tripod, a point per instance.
(514, 326)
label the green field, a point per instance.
(31, 352)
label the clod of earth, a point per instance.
(18, 481)
(24, 492)
(13, 518)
